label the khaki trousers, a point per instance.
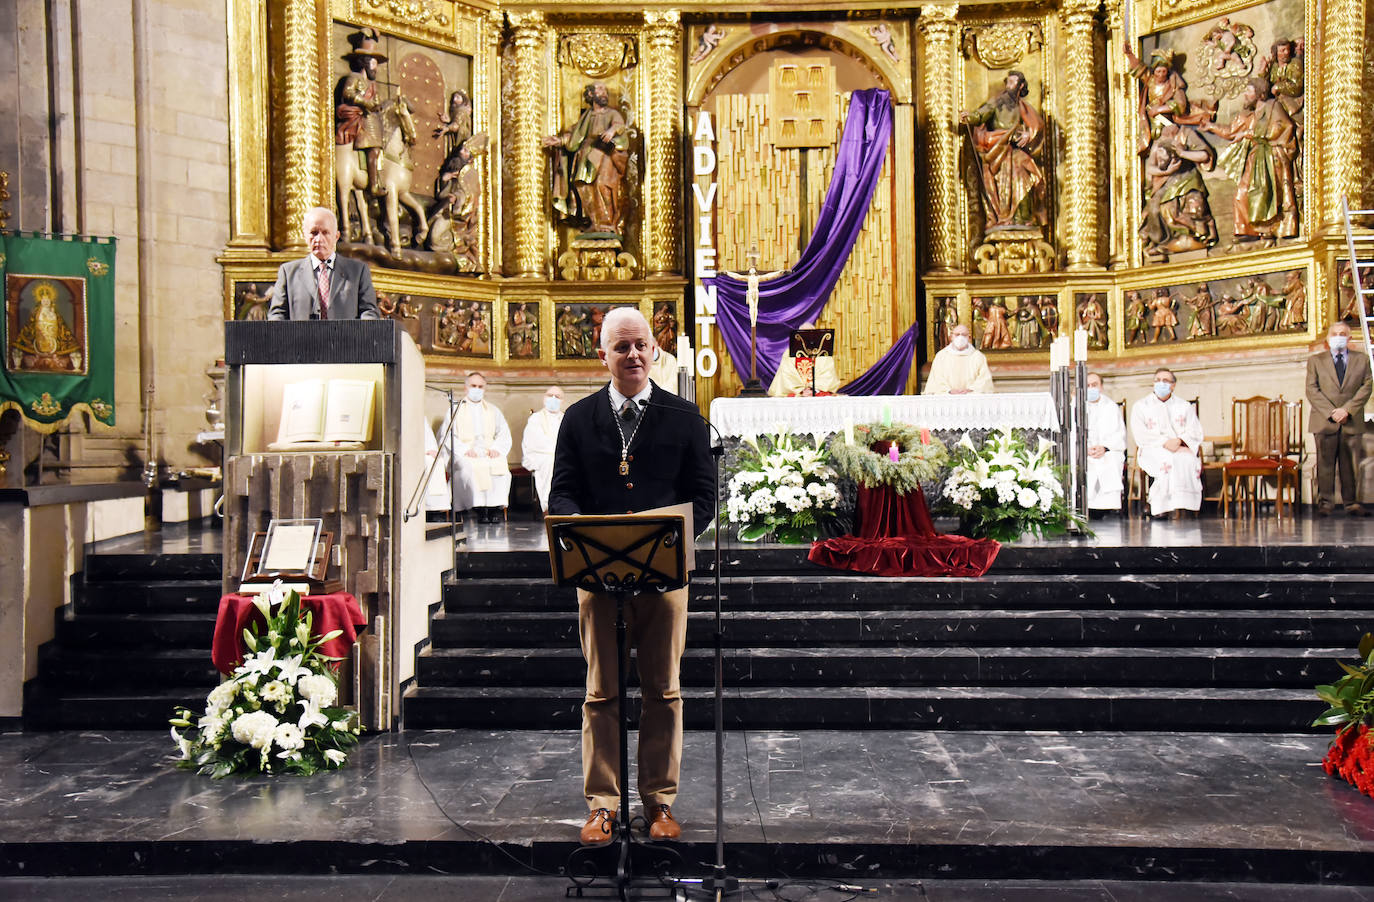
(656, 627)
(1339, 452)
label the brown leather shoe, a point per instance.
(1324, 508)
(661, 823)
(599, 828)
(1354, 510)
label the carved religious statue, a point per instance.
(1260, 159)
(589, 163)
(1177, 216)
(1092, 317)
(358, 104)
(1007, 136)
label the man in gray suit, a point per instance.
(323, 285)
(1338, 386)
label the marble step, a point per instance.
(122, 632)
(1239, 590)
(1053, 559)
(171, 596)
(145, 709)
(76, 668)
(1299, 668)
(913, 708)
(144, 566)
(941, 627)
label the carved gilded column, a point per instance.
(936, 25)
(1119, 108)
(1341, 101)
(527, 32)
(663, 36)
(1078, 220)
(249, 201)
(486, 84)
(301, 171)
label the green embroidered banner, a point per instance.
(59, 328)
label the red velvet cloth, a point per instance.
(896, 537)
(338, 611)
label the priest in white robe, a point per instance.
(793, 379)
(663, 371)
(481, 441)
(437, 495)
(1106, 447)
(539, 440)
(1168, 436)
(959, 368)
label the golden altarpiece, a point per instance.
(1165, 174)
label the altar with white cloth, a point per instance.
(744, 418)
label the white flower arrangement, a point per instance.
(276, 713)
(783, 487)
(1003, 489)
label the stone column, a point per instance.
(527, 117)
(1342, 124)
(937, 24)
(301, 171)
(1082, 122)
(663, 36)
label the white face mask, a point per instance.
(475, 394)
(1163, 390)
(1338, 342)
(1094, 393)
(960, 342)
(553, 403)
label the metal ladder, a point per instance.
(1358, 270)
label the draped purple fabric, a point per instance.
(888, 375)
(799, 296)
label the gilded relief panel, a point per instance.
(522, 330)
(1015, 323)
(1241, 306)
(458, 327)
(1091, 310)
(578, 328)
(1220, 133)
(1347, 300)
(408, 166)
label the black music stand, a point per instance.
(811, 343)
(622, 554)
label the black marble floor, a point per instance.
(815, 805)
(523, 534)
(542, 889)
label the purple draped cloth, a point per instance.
(799, 296)
(888, 375)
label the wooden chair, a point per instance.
(1137, 482)
(1266, 443)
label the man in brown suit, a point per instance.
(1338, 386)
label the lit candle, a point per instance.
(848, 431)
(893, 452)
(1080, 345)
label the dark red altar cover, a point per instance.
(896, 537)
(337, 611)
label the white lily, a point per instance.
(290, 669)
